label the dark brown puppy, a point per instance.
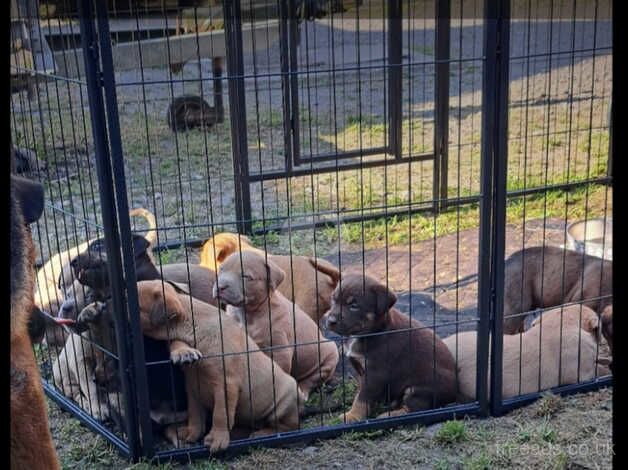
(411, 368)
(31, 442)
(541, 277)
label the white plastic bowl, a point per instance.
(591, 237)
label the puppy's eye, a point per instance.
(247, 277)
(354, 307)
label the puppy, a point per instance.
(540, 277)
(275, 322)
(413, 369)
(542, 349)
(308, 281)
(55, 276)
(165, 381)
(31, 441)
(237, 388)
(88, 375)
(81, 366)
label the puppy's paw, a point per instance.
(192, 434)
(349, 417)
(217, 439)
(185, 356)
(392, 413)
(91, 313)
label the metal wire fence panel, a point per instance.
(290, 219)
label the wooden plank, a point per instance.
(183, 48)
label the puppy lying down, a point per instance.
(308, 281)
(236, 386)
(400, 360)
(542, 349)
(298, 346)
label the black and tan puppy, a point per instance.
(541, 277)
(31, 441)
(398, 360)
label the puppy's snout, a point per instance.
(67, 307)
(218, 289)
(331, 320)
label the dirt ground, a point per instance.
(572, 432)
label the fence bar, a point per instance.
(395, 33)
(85, 418)
(237, 113)
(304, 435)
(286, 85)
(131, 312)
(495, 150)
(441, 109)
(293, 30)
(110, 224)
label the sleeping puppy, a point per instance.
(236, 388)
(274, 321)
(541, 277)
(308, 281)
(543, 343)
(413, 369)
(55, 276)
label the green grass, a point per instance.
(478, 462)
(397, 230)
(451, 432)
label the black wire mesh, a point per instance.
(342, 131)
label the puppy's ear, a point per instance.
(140, 245)
(384, 298)
(590, 322)
(30, 197)
(224, 246)
(165, 306)
(275, 274)
(179, 287)
(607, 323)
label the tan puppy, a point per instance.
(55, 277)
(80, 367)
(236, 385)
(308, 281)
(274, 321)
(556, 351)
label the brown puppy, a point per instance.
(523, 361)
(274, 321)
(31, 442)
(308, 281)
(237, 387)
(549, 276)
(197, 278)
(411, 368)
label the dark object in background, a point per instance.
(26, 161)
(190, 111)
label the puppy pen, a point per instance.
(418, 142)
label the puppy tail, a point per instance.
(326, 268)
(151, 234)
